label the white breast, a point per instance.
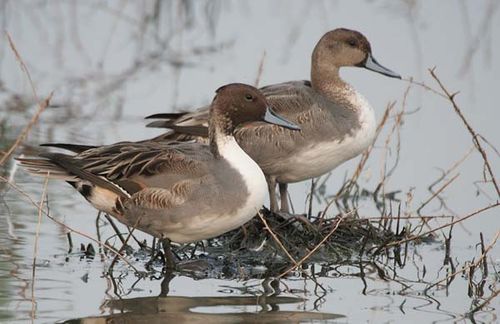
(252, 176)
(215, 223)
(320, 158)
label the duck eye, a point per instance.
(352, 43)
(248, 97)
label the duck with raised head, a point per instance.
(337, 123)
(181, 192)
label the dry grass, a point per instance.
(41, 105)
(314, 239)
(35, 246)
(67, 227)
(19, 140)
(469, 267)
(475, 136)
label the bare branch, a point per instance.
(41, 104)
(35, 246)
(415, 237)
(68, 228)
(277, 239)
(473, 264)
(473, 133)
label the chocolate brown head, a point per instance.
(236, 104)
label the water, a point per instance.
(110, 65)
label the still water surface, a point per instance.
(110, 65)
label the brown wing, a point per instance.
(127, 166)
(158, 164)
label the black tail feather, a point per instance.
(160, 124)
(166, 115)
(75, 167)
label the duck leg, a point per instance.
(165, 283)
(169, 256)
(273, 202)
(285, 208)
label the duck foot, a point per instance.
(295, 220)
(285, 215)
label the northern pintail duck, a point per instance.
(337, 123)
(182, 192)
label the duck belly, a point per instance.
(210, 212)
(210, 217)
(207, 226)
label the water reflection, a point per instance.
(203, 310)
(230, 309)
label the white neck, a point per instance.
(252, 174)
(365, 111)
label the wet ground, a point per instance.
(109, 66)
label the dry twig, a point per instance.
(474, 134)
(425, 87)
(276, 238)
(68, 228)
(308, 255)
(35, 246)
(434, 195)
(415, 237)
(124, 243)
(41, 104)
(471, 265)
(485, 302)
(260, 70)
(455, 165)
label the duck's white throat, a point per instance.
(251, 173)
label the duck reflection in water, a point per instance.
(180, 309)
